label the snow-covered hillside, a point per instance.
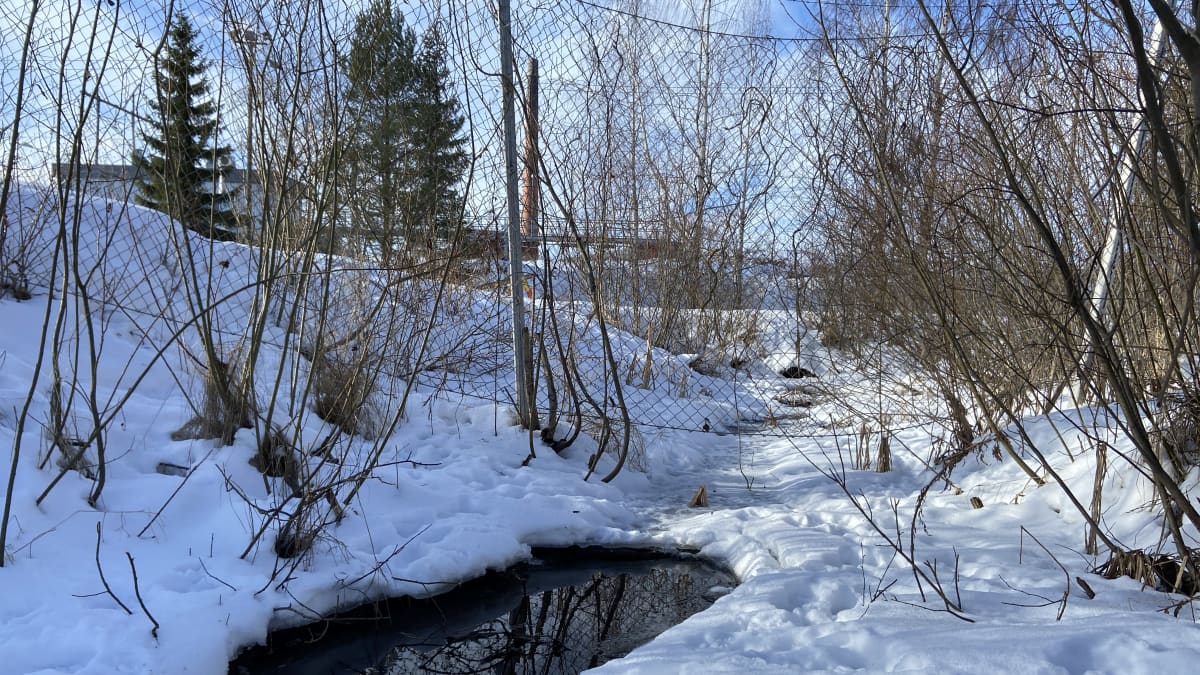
(174, 568)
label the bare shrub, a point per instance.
(608, 433)
(277, 457)
(226, 402)
(1177, 437)
(312, 475)
(71, 445)
(638, 461)
(348, 331)
(1160, 571)
(299, 530)
(341, 391)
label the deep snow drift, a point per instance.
(821, 588)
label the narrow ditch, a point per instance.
(567, 610)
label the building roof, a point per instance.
(127, 173)
(96, 173)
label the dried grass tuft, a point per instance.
(864, 441)
(298, 532)
(1159, 571)
(226, 403)
(72, 446)
(883, 456)
(277, 457)
(1137, 565)
(608, 434)
(341, 389)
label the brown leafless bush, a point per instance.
(23, 253)
(608, 433)
(1158, 571)
(226, 401)
(70, 442)
(980, 249)
(1177, 432)
(340, 389)
(278, 457)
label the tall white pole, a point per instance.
(1128, 177)
(1110, 254)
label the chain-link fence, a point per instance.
(662, 191)
(668, 195)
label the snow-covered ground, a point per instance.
(162, 575)
(821, 591)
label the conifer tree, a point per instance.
(404, 153)
(180, 169)
(440, 155)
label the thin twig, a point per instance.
(175, 492)
(104, 581)
(1086, 587)
(137, 592)
(380, 564)
(214, 577)
(1067, 590)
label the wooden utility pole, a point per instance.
(531, 197)
(531, 203)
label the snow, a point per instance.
(811, 569)
(820, 589)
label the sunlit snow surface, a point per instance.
(820, 591)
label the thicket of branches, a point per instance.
(1011, 206)
(354, 333)
(359, 280)
(1003, 193)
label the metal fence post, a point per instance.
(511, 179)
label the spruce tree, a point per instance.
(404, 150)
(180, 169)
(441, 159)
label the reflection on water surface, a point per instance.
(570, 613)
